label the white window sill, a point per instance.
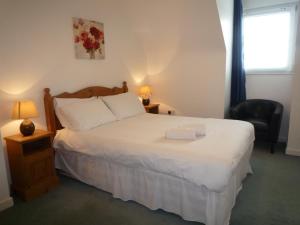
(285, 73)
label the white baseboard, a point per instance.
(293, 151)
(6, 203)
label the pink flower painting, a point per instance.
(88, 39)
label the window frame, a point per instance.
(293, 9)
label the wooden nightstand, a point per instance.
(31, 161)
(152, 108)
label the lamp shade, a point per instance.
(24, 110)
(145, 92)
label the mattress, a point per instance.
(117, 155)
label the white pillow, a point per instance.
(60, 102)
(124, 105)
(86, 115)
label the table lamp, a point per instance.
(145, 93)
(25, 110)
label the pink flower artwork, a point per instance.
(88, 39)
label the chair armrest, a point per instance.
(236, 112)
(276, 122)
(278, 110)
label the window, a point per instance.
(269, 39)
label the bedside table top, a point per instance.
(22, 139)
(151, 106)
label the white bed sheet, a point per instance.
(139, 142)
(226, 141)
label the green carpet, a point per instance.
(270, 197)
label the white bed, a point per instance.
(130, 158)
(123, 151)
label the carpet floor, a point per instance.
(271, 196)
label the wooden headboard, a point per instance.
(52, 121)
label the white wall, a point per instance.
(293, 147)
(5, 199)
(226, 11)
(276, 87)
(190, 78)
(174, 48)
(37, 50)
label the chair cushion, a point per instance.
(259, 110)
(259, 125)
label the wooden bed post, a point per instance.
(125, 88)
(49, 111)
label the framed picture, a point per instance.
(88, 39)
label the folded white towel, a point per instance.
(181, 134)
(186, 132)
(199, 129)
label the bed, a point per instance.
(130, 158)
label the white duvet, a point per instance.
(139, 142)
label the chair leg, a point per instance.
(272, 147)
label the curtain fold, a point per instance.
(238, 78)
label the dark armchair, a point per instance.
(265, 115)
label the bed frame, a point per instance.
(166, 192)
(52, 121)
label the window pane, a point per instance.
(267, 41)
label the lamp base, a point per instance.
(27, 127)
(146, 102)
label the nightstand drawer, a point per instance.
(39, 155)
(38, 167)
(30, 148)
(39, 170)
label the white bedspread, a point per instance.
(139, 142)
